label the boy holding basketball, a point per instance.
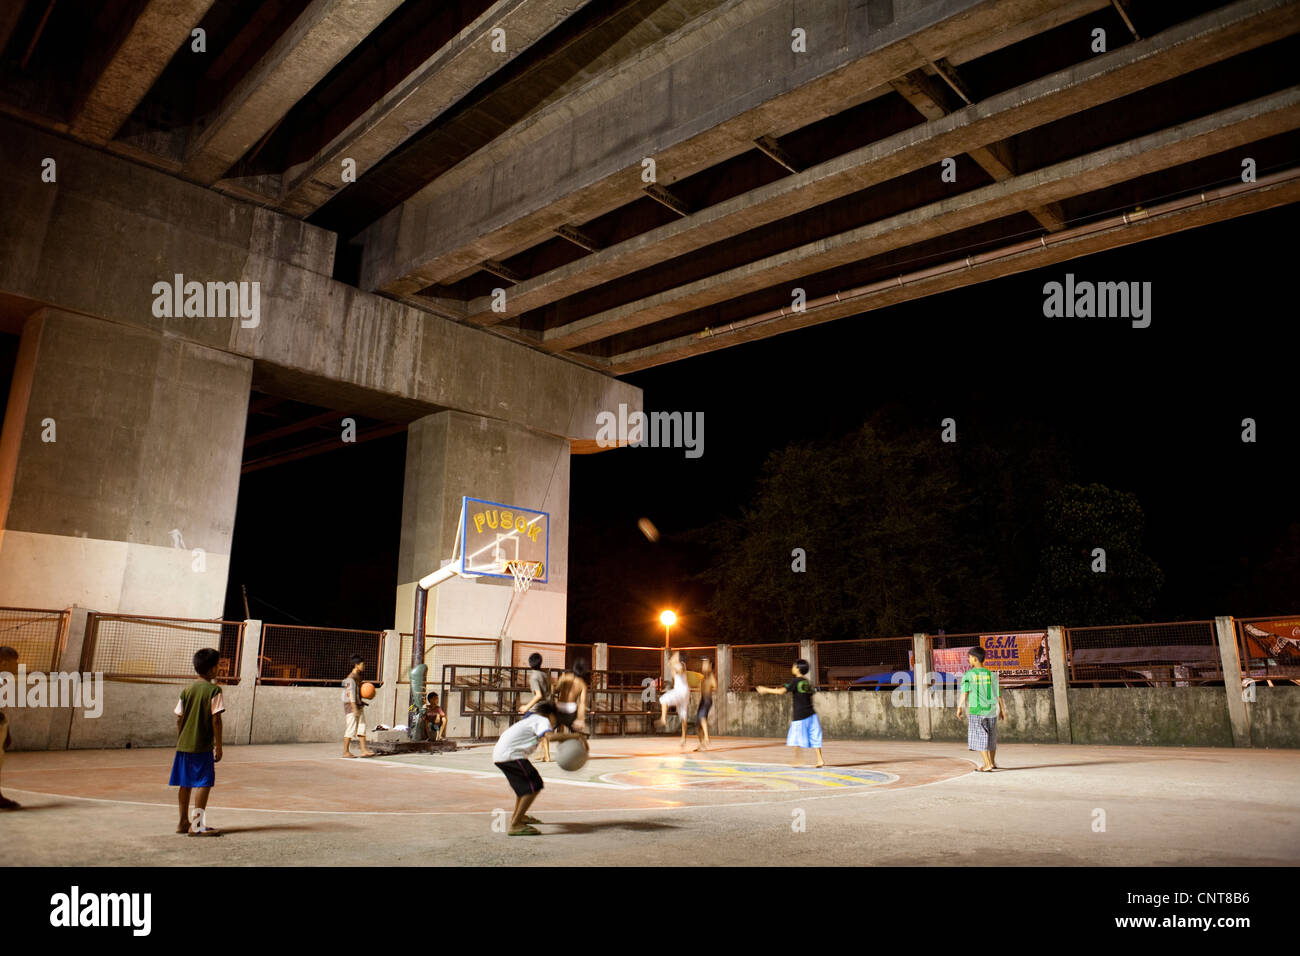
(198, 744)
(511, 757)
(805, 727)
(8, 665)
(353, 712)
(986, 705)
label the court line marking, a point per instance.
(801, 797)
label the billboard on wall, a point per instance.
(1024, 653)
(1276, 642)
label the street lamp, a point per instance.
(667, 619)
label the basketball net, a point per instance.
(524, 573)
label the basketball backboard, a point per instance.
(492, 534)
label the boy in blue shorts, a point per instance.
(198, 744)
(805, 728)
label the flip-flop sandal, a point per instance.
(525, 831)
(531, 819)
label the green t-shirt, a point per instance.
(199, 703)
(981, 686)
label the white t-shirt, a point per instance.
(520, 739)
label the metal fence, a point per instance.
(37, 634)
(866, 664)
(765, 664)
(126, 646)
(1178, 654)
(558, 656)
(627, 667)
(1270, 648)
(292, 654)
(440, 652)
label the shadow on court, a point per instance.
(636, 826)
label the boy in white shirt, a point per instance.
(511, 757)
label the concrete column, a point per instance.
(242, 730)
(721, 700)
(388, 700)
(1060, 683)
(599, 663)
(921, 644)
(1238, 716)
(120, 457)
(452, 454)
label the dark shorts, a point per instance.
(706, 705)
(523, 776)
(565, 720)
(193, 770)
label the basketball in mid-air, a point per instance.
(367, 690)
(570, 754)
(648, 529)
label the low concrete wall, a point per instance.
(298, 715)
(1275, 717)
(1150, 716)
(1031, 718)
(143, 715)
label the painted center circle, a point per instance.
(690, 775)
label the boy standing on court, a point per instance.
(805, 728)
(198, 744)
(352, 709)
(8, 665)
(986, 705)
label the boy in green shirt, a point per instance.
(981, 684)
(198, 744)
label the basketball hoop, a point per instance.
(524, 573)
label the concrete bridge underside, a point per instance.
(467, 218)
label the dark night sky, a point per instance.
(1154, 411)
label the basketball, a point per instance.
(367, 690)
(648, 529)
(570, 754)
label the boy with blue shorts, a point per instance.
(805, 728)
(198, 744)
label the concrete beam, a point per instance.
(149, 45)
(1236, 126)
(1268, 196)
(61, 244)
(698, 97)
(1209, 39)
(425, 94)
(929, 99)
(10, 14)
(323, 35)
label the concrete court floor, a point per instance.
(640, 801)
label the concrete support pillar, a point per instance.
(1238, 716)
(921, 645)
(52, 727)
(249, 662)
(388, 700)
(721, 700)
(450, 455)
(600, 657)
(120, 457)
(1060, 683)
